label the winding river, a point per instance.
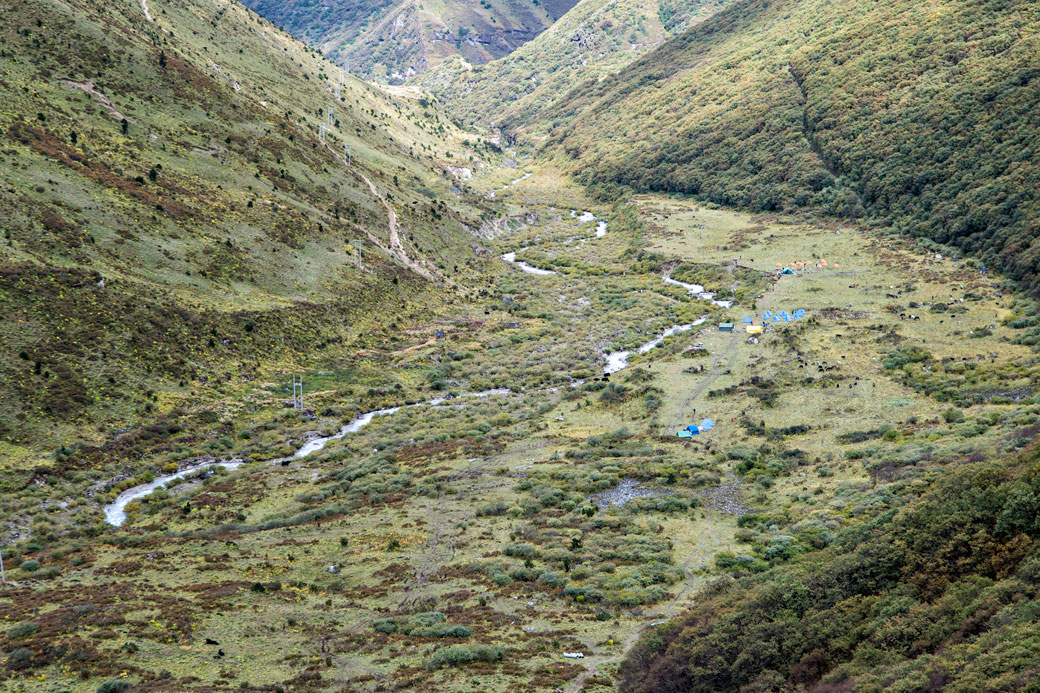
(617, 360)
(530, 269)
(115, 512)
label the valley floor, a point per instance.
(468, 544)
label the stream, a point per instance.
(530, 269)
(698, 291)
(586, 216)
(115, 512)
(616, 360)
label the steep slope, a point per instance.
(173, 211)
(398, 39)
(923, 115)
(594, 39)
(939, 595)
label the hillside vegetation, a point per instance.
(922, 116)
(938, 595)
(395, 40)
(594, 39)
(171, 214)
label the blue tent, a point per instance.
(800, 313)
(777, 318)
(787, 318)
(747, 320)
(787, 270)
(689, 432)
(707, 425)
(766, 315)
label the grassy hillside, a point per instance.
(937, 594)
(594, 39)
(921, 115)
(171, 214)
(397, 39)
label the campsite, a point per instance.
(494, 495)
(557, 347)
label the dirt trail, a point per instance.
(594, 663)
(396, 248)
(147, 14)
(716, 372)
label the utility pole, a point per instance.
(346, 155)
(3, 575)
(357, 254)
(321, 132)
(297, 391)
(332, 120)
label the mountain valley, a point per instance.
(663, 346)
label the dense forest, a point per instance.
(924, 117)
(941, 590)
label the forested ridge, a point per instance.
(923, 117)
(938, 594)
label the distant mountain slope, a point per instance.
(397, 39)
(594, 39)
(926, 115)
(171, 213)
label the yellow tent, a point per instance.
(754, 329)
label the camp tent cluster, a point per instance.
(783, 316)
(769, 316)
(798, 264)
(694, 429)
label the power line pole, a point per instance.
(3, 575)
(357, 254)
(332, 120)
(297, 391)
(321, 132)
(346, 155)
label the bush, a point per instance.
(492, 509)
(552, 579)
(113, 687)
(521, 551)
(20, 658)
(22, 630)
(464, 654)
(30, 566)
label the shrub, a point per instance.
(552, 579)
(30, 566)
(464, 654)
(496, 508)
(20, 658)
(521, 551)
(113, 687)
(22, 630)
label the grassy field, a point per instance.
(462, 545)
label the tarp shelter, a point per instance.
(707, 425)
(754, 329)
(689, 432)
(725, 327)
(747, 321)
